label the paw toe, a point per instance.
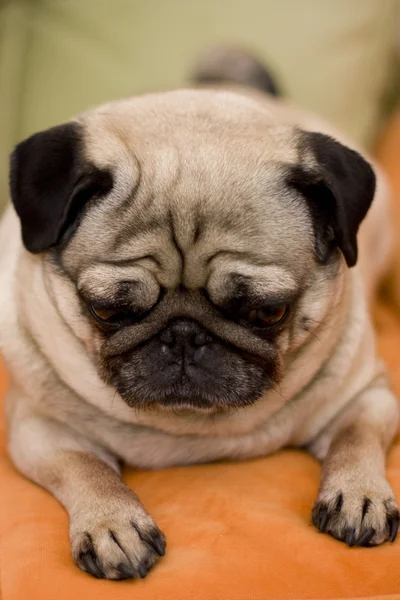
(115, 548)
(320, 516)
(392, 522)
(366, 536)
(357, 519)
(349, 536)
(89, 562)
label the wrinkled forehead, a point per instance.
(196, 189)
(151, 126)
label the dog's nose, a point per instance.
(183, 336)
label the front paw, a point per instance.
(359, 513)
(116, 540)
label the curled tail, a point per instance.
(235, 66)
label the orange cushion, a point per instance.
(235, 531)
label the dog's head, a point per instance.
(203, 241)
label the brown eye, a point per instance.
(268, 315)
(111, 315)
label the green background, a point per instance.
(58, 57)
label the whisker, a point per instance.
(312, 333)
(278, 392)
(319, 323)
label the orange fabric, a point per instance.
(235, 531)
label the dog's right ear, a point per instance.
(50, 182)
(339, 188)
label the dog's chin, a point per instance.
(194, 404)
(180, 404)
(183, 400)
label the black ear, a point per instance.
(50, 183)
(339, 189)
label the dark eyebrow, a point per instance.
(256, 301)
(235, 303)
(243, 283)
(121, 299)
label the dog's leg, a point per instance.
(355, 503)
(111, 534)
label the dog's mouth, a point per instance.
(188, 387)
(188, 368)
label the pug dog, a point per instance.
(179, 284)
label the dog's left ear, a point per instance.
(339, 186)
(51, 182)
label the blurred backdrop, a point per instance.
(58, 57)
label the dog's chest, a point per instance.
(145, 447)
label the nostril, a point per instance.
(167, 337)
(201, 339)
